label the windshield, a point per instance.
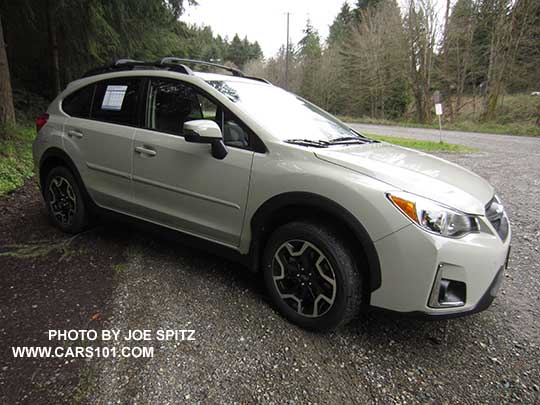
(287, 116)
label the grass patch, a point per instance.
(120, 268)
(86, 386)
(16, 164)
(426, 146)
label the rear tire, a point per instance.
(65, 202)
(311, 276)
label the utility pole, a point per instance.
(287, 56)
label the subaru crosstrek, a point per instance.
(334, 221)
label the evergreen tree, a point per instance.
(341, 26)
(237, 52)
(309, 52)
(362, 6)
(54, 41)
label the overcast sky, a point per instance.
(265, 21)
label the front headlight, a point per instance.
(434, 217)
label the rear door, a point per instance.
(180, 184)
(101, 139)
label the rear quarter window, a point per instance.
(116, 101)
(79, 103)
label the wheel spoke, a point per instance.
(330, 280)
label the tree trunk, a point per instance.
(490, 99)
(7, 111)
(53, 47)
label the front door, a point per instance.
(179, 184)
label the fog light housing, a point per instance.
(447, 293)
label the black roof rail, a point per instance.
(234, 71)
(171, 63)
(130, 64)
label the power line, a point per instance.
(287, 56)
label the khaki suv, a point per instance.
(335, 222)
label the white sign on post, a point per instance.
(438, 111)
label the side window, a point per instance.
(235, 133)
(171, 103)
(115, 101)
(209, 109)
(78, 104)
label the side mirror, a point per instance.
(206, 131)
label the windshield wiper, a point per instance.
(309, 142)
(351, 139)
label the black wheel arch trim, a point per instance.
(265, 212)
(58, 154)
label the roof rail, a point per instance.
(169, 59)
(171, 63)
(130, 64)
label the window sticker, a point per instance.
(114, 97)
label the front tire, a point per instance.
(311, 276)
(65, 202)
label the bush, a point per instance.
(28, 106)
(16, 163)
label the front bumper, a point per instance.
(411, 263)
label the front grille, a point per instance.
(496, 215)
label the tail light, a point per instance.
(41, 120)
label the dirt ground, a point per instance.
(49, 280)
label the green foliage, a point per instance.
(240, 51)
(98, 32)
(364, 5)
(397, 99)
(340, 28)
(517, 118)
(16, 164)
(309, 54)
(28, 106)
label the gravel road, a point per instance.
(244, 352)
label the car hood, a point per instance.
(415, 172)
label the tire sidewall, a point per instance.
(80, 219)
(340, 260)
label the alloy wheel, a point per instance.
(304, 278)
(62, 201)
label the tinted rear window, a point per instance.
(116, 101)
(78, 104)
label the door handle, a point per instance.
(145, 150)
(73, 133)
